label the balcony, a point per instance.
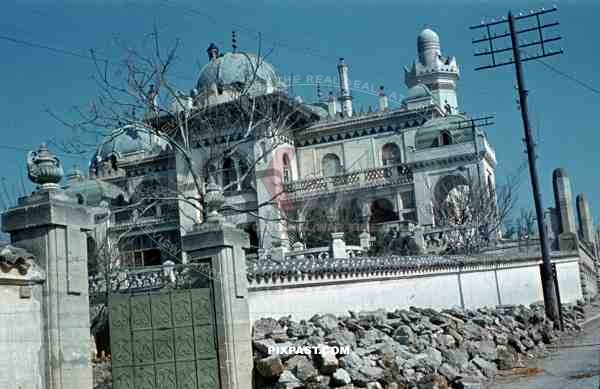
(386, 175)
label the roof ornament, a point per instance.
(233, 41)
(75, 175)
(214, 200)
(319, 94)
(44, 168)
(213, 51)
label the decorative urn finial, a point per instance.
(44, 168)
(214, 200)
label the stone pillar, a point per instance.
(586, 224)
(338, 245)
(22, 340)
(270, 193)
(52, 226)
(365, 240)
(567, 239)
(222, 244)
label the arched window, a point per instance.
(445, 138)
(113, 163)
(390, 154)
(229, 175)
(382, 210)
(211, 171)
(245, 176)
(287, 175)
(331, 165)
(490, 186)
(453, 200)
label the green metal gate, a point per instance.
(163, 339)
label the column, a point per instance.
(52, 226)
(223, 244)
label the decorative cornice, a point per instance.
(350, 128)
(464, 157)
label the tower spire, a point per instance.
(439, 73)
(345, 97)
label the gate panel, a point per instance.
(163, 339)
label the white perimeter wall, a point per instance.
(470, 289)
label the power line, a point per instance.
(277, 43)
(570, 77)
(27, 149)
(71, 53)
(56, 50)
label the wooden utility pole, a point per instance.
(498, 58)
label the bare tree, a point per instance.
(139, 92)
(242, 122)
(471, 214)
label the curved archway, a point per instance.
(317, 228)
(448, 183)
(80, 199)
(331, 165)
(452, 200)
(382, 210)
(445, 138)
(287, 176)
(229, 175)
(390, 154)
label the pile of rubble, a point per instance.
(413, 348)
(102, 374)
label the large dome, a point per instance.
(239, 70)
(127, 141)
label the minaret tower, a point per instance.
(440, 74)
(345, 97)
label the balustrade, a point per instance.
(393, 174)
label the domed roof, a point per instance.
(129, 140)
(95, 192)
(418, 91)
(428, 36)
(239, 70)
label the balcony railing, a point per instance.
(386, 175)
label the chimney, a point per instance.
(345, 98)
(213, 52)
(331, 105)
(383, 100)
(586, 226)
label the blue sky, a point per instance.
(377, 39)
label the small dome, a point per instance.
(418, 91)
(560, 173)
(129, 140)
(428, 36)
(94, 192)
(238, 70)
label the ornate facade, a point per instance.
(293, 172)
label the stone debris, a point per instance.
(408, 348)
